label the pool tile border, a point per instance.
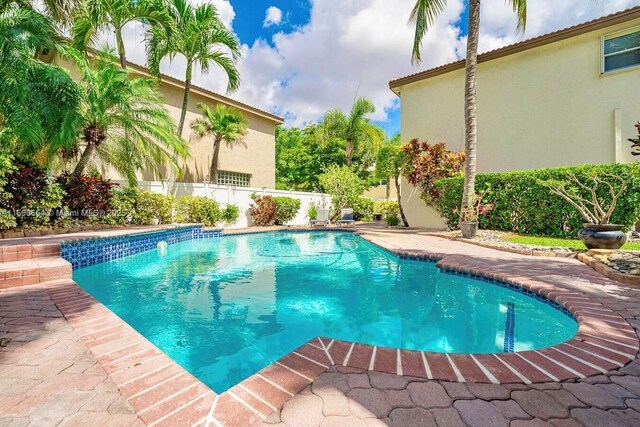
(163, 393)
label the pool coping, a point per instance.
(164, 393)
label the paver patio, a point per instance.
(49, 377)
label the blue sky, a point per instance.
(326, 50)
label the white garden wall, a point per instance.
(239, 196)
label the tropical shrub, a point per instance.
(392, 220)
(150, 206)
(286, 209)
(363, 209)
(263, 211)
(123, 205)
(25, 188)
(426, 163)
(7, 220)
(386, 208)
(344, 186)
(312, 211)
(524, 204)
(230, 213)
(199, 209)
(87, 197)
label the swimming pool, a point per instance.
(225, 308)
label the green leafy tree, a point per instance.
(422, 17)
(355, 129)
(39, 103)
(344, 185)
(94, 16)
(302, 155)
(125, 123)
(198, 34)
(389, 165)
(223, 123)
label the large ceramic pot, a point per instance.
(469, 229)
(602, 236)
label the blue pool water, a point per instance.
(225, 308)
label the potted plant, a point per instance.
(597, 233)
(469, 216)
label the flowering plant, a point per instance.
(477, 208)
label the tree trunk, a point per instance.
(388, 188)
(121, 51)
(404, 218)
(185, 99)
(349, 151)
(470, 111)
(84, 158)
(213, 170)
(172, 178)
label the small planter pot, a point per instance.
(602, 236)
(469, 229)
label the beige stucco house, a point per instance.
(250, 164)
(564, 98)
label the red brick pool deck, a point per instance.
(65, 359)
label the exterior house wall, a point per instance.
(543, 107)
(254, 156)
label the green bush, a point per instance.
(7, 221)
(132, 206)
(392, 220)
(363, 209)
(524, 205)
(312, 211)
(230, 213)
(286, 209)
(386, 208)
(199, 209)
(344, 186)
(153, 205)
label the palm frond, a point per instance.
(423, 15)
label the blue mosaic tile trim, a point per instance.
(509, 329)
(89, 252)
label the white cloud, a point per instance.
(272, 17)
(359, 45)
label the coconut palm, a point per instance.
(223, 123)
(197, 34)
(39, 102)
(59, 11)
(422, 17)
(125, 124)
(355, 129)
(94, 16)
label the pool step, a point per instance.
(34, 270)
(12, 253)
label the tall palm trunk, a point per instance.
(84, 158)
(349, 152)
(213, 170)
(388, 189)
(402, 216)
(121, 51)
(470, 111)
(185, 99)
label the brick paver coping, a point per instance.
(163, 393)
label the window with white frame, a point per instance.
(234, 179)
(621, 50)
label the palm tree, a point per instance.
(39, 102)
(422, 17)
(125, 124)
(59, 11)
(96, 15)
(224, 123)
(198, 35)
(355, 129)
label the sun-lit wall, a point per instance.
(544, 107)
(255, 156)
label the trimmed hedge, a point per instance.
(524, 205)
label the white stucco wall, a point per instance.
(544, 107)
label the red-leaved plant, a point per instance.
(427, 163)
(86, 196)
(263, 211)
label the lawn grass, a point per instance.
(560, 243)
